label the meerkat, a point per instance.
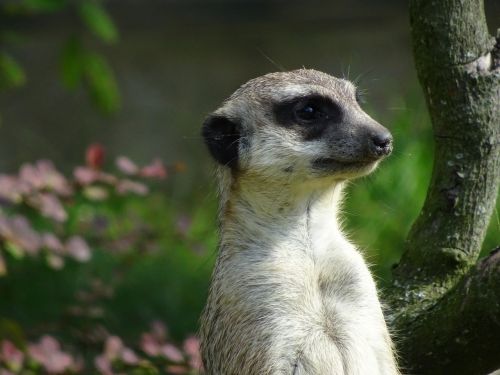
(289, 293)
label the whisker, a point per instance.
(362, 76)
(274, 63)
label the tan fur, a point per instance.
(289, 293)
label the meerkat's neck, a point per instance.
(258, 212)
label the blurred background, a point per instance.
(107, 245)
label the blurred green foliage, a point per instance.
(88, 257)
(98, 21)
(381, 207)
(79, 63)
(11, 74)
(167, 282)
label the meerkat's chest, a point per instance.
(310, 278)
(294, 298)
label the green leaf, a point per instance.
(101, 82)
(11, 330)
(98, 21)
(72, 63)
(11, 73)
(14, 250)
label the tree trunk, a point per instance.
(447, 308)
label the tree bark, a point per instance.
(460, 332)
(446, 308)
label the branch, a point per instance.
(458, 72)
(458, 332)
(447, 309)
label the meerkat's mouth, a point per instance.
(329, 164)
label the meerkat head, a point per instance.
(302, 125)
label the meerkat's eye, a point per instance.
(309, 112)
(315, 109)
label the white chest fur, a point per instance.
(290, 295)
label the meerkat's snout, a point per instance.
(381, 143)
(378, 142)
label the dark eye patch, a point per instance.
(310, 115)
(310, 111)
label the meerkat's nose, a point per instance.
(381, 143)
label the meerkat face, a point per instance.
(301, 125)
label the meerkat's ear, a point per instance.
(222, 137)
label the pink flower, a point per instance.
(17, 231)
(11, 356)
(129, 357)
(12, 189)
(129, 186)
(154, 170)
(113, 347)
(126, 166)
(50, 206)
(191, 347)
(43, 175)
(150, 345)
(114, 350)
(94, 156)
(171, 353)
(103, 365)
(85, 176)
(152, 342)
(30, 174)
(48, 353)
(52, 179)
(78, 248)
(52, 243)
